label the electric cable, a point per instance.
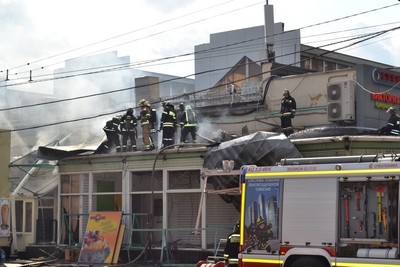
(370, 36)
(312, 25)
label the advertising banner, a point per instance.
(262, 204)
(5, 217)
(100, 237)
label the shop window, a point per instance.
(19, 215)
(112, 182)
(330, 66)
(144, 181)
(317, 64)
(305, 62)
(74, 183)
(188, 179)
(341, 66)
(28, 217)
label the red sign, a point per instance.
(385, 78)
(385, 98)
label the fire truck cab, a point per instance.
(317, 212)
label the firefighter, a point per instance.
(231, 250)
(188, 123)
(128, 129)
(288, 110)
(393, 124)
(263, 233)
(167, 125)
(112, 132)
(146, 121)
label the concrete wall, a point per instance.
(310, 93)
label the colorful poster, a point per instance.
(5, 217)
(261, 219)
(100, 237)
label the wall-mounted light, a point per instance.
(368, 178)
(344, 179)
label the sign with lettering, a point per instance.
(100, 237)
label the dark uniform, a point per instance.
(393, 125)
(168, 121)
(128, 130)
(112, 132)
(288, 110)
(263, 233)
(146, 122)
(231, 250)
(188, 123)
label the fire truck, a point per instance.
(317, 212)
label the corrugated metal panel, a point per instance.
(183, 214)
(219, 214)
(145, 160)
(309, 211)
(84, 206)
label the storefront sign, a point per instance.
(100, 238)
(386, 78)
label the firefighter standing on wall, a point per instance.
(231, 250)
(112, 132)
(288, 110)
(128, 129)
(188, 122)
(168, 121)
(393, 124)
(146, 122)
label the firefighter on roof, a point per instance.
(288, 110)
(393, 124)
(128, 129)
(188, 122)
(147, 122)
(231, 250)
(112, 132)
(168, 121)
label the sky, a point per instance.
(40, 35)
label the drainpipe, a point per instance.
(14, 245)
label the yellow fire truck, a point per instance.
(317, 212)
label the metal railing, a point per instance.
(171, 238)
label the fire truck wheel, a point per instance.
(307, 262)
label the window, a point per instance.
(140, 181)
(184, 179)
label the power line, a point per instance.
(177, 78)
(367, 37)
(145, 63)
(312, 25)
(148, 36)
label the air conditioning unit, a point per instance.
(341, 101)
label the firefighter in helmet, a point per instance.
(393, 125)
(128, 130)
(112, 132)
(146, 121)
(231, 250)
(188, 123)
(167, 125)
(263, 233)
(288, 110)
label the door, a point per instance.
(25, 211)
